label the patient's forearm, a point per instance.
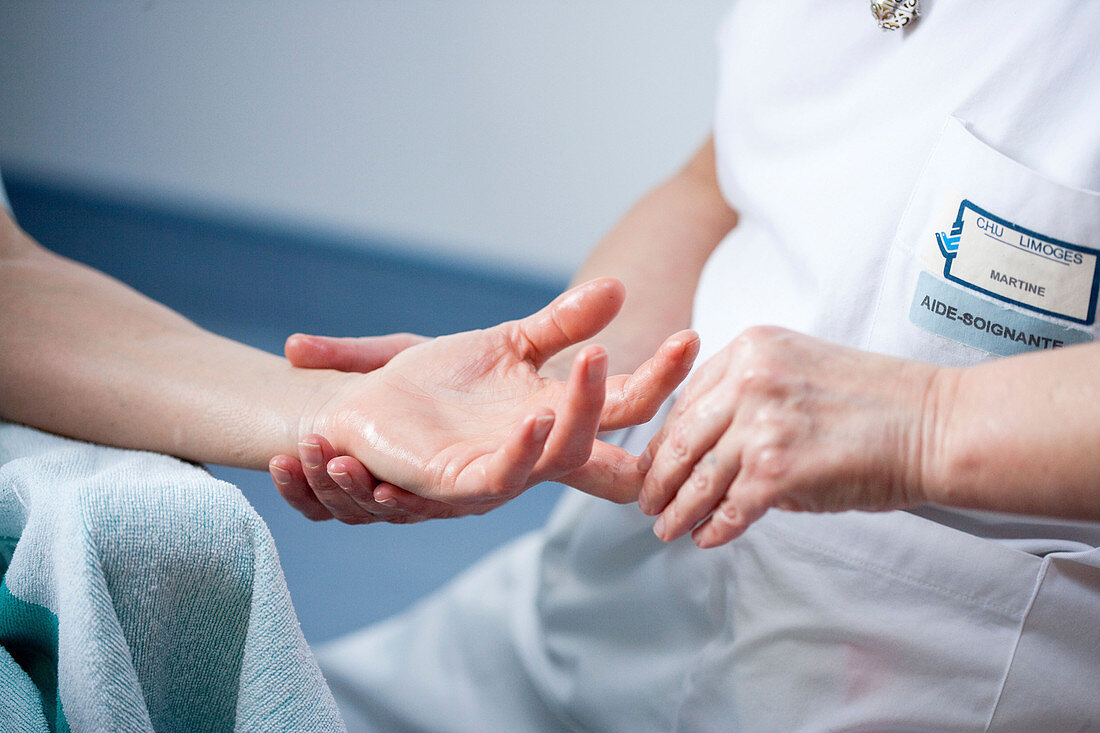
(85, 356)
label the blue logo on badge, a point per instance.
(949, 245)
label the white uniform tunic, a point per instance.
(908, 193)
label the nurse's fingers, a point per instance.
(354, 480)
(578, 419)
(610, 473)
(572, 317)
(734, 514)
(416, 508)
(315, 452)
(290, 482)
(347, 354)
(705, 379)
(703, 491)
(635, 398)
(686, 436)
(358, 483)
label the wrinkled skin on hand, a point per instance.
(463, 423)
(780, 419)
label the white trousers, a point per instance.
(807, 623)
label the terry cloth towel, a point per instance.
(139, 593)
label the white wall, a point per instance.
(508, 131)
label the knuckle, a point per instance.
(698, 482)
(790, 504)
(515, 337)
(673, 516)
(678, 444)
(758, 378)
(727, 513)
(769, 464)
(760, 364)
(757, 336)
(773, 427)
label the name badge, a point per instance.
(1004, 289)
(991, 255)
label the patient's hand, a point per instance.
(346, 490)
(466, 420)
(322, 485)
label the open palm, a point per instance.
(467, 419)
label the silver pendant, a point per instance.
(894, 14)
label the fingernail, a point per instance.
(280, 474)
(386, 501)
(597, 368)
(643, 503)
(645, 461)
(683, 340)
(310, 454)
(659, 527)
(543, 423)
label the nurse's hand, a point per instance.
(780, 419)
(322, 485)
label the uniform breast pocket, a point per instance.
(989, 259)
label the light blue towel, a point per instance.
(139, 594)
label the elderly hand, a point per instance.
(780, 419)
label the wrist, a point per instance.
(938, 480)
(246, 424)
(327, 409)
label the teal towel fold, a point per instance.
(140, 593)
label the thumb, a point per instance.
(361, 354)
(575, 315)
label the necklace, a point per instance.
(894, 14)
